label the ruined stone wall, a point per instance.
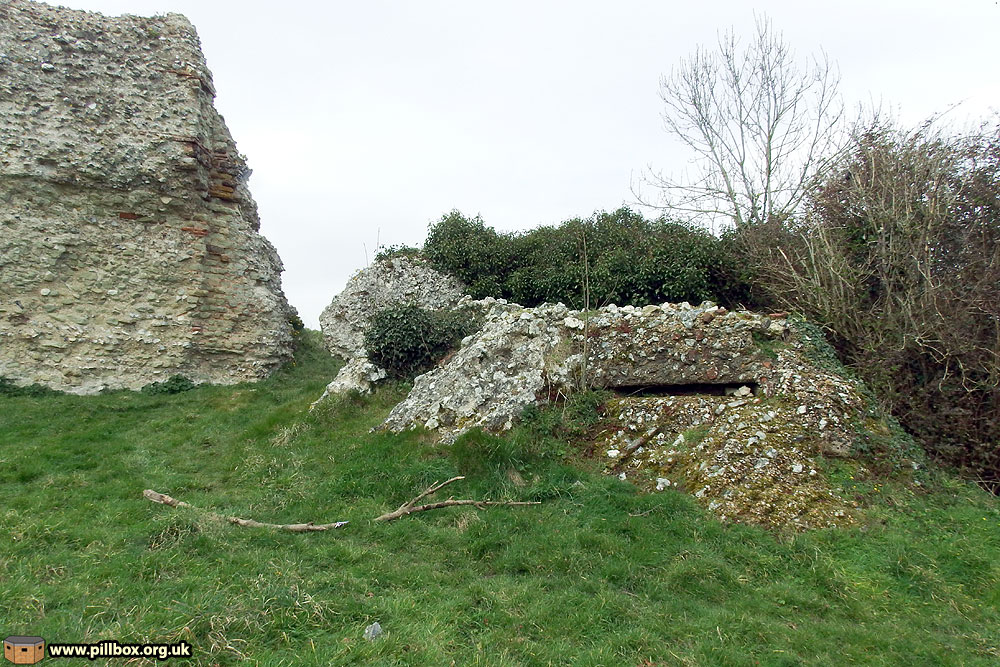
(387, 282)
(739, 409)
(129, 245)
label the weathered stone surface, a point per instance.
(525, 355)
(729, 406)
(676, 344)
(497, 372)
(129, 245)
(386, 283)
(358, 375)
(749, 458)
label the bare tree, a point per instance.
(759, 123)
(898, 256)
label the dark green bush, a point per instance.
(625, 259)
(470, 251)
(297, 324)
(8, 388)
(408, 340)
(174, 385)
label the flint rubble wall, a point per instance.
(129, 244)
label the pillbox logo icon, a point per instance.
(22, 650)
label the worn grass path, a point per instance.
(597, 575)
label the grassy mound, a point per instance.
(598, 574)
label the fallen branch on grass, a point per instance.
(411, 507)
(164, 499)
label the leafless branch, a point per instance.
(760, 125)
(411, 507)
(309, 527)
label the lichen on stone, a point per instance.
(388, 282)
(748, 460)
(725, 405)
(393, 281)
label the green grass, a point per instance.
(597, 575)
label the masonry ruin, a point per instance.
(737, 408)
(745, 411)
(129, 244)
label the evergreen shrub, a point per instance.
(9, 388)
(625, 258)
(408, 340)
(174, 385)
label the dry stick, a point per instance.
(164, 499)
(408, 506)
(634, 447)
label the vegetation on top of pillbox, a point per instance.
(622, 256)
(469, 250)
(407, 340)
(400, 250)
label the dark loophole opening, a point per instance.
(692, 389)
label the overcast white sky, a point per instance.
(364, 121)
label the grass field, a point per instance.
(598, 574)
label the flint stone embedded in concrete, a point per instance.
(676, 344)
(526, 356)
(496, 373)
(129, 245)
(749, 452)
